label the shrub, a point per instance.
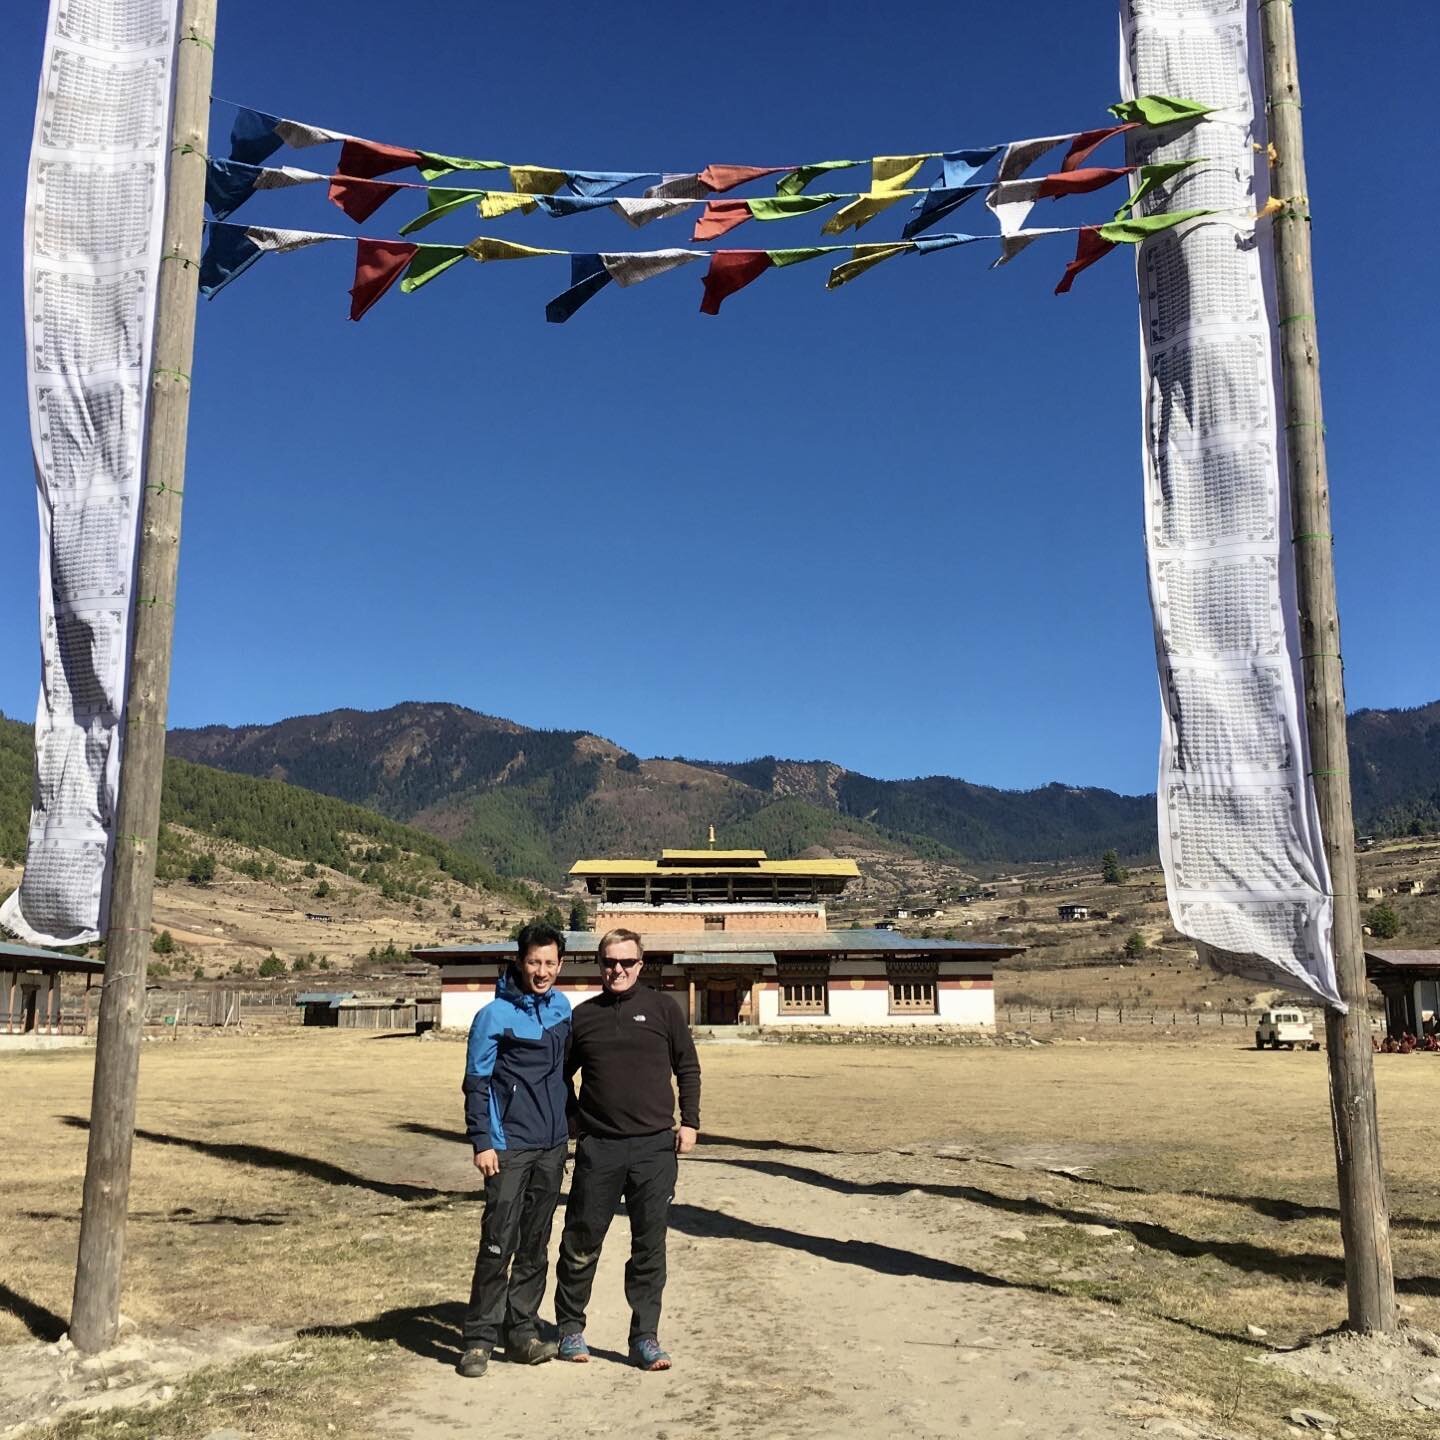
(162, 944)
(272, 964)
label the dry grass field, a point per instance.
(868, 1241)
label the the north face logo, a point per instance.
(639, 1018)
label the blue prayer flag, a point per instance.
(588, 277)
(229, 251)
(959, 167)
(935, 205)
(253, 137)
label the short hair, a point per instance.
(618, 937)
(532, 937)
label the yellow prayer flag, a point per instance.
(483, 247)
(536, 179)
(889, 175)
(494, 203)
(863, 258)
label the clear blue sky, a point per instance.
(897, 526)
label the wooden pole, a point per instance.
(1364, 1210)
(95, 1314)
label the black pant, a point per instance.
(519, 1206)
(643, 1169)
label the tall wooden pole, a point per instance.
(1364, 1210)
(95, 1315)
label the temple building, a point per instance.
(744, 940)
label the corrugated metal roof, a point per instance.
(817, 942)
(51, 959)
(1406, 959)
(827, 869)
(323, 997)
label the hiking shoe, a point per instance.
(474, 1363)
(647, 1354)
(532, 1350)
(573, 1347)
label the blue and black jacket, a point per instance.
(514, 1086)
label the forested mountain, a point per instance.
(297, 823)
(531, 801)
(490, 798)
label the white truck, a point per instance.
(1285, 1027)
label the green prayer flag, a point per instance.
(781, 207)
(797, 180)
(1141, 227)
(1155, 110)
(1151, 177)
(430, 261)
(432, 167)
(780, 258)
(442, 202)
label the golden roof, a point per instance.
(846, 869)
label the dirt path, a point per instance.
(802, 1304)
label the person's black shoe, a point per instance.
(474, 1363)
(530, 1351)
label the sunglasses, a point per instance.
(606, 963)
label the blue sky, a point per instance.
(897, 526)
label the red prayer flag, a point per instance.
(360, 199)
(727, 177)
(720, 216)
(368, 158)
(378, 265)
(731, 270)
(1079, 182)
(1083, 146)
(1089, 248)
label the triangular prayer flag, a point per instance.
(640, 210)
(603, 182)
(368, 158)
(727, 177)
(781, 258)
(1157, 110)
(731, 270)
(1085, 144)
(1151, 178)
(1020, 155)
(494, 203)
(889, 174)
(441, 202)
(483, 247)
(1011, 245)
(631, 267)
(360, 198)
(935, 205)
(1090, 246)
(558, 205)
(718, 217)
(433, 166)
(301, 135)
(229, 252)
(1079, 182)
(802, 175)
(253, 138)
(928, 244)
(1131, 232)
(378, 265)
(678, 187)
(959, 167)
(782, 207)
(228, 185)
(588, 277)
(536, 179)
(864, 257)
(430, 261)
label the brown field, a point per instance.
(868, 1241)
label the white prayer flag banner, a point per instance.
(1240, 834)
(94, 216)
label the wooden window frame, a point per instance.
(813, 980)
(907, 983)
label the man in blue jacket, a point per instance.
(515, 1096)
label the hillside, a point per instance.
(1395, 770)
(283, 820)
(529, 802)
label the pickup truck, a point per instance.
(1285, 1027)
